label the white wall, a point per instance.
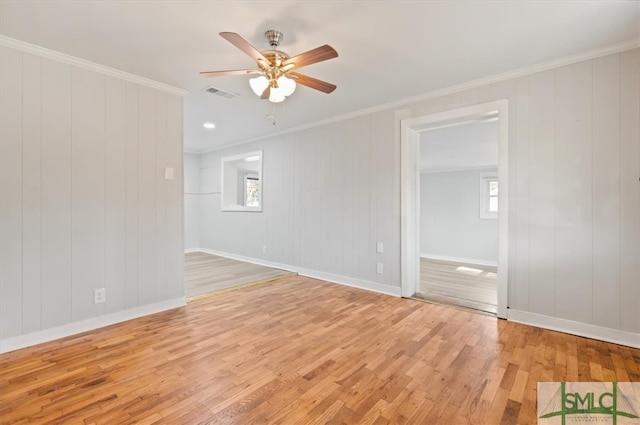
(83, 200)
(332, 191)
(450, 223)
(191, 201)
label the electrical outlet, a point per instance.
(379, 268)
(264, 249)
(99, 295)
(379, 247)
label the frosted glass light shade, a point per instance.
(276, 95)
(259, 84)
(287, 85)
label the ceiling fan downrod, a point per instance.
(273, 37)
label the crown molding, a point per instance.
(520, 72)
(82, 63)
(454, 170)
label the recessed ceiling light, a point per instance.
(209, 125)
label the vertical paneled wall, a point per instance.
(576, 200)
(332, 191)
(629, 163)
(83, 199)
(329, 194)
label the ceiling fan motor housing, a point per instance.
(274, 56)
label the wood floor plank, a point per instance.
(207, 273)
(301, 351)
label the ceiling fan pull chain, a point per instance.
(273, 113)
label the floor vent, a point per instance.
(219, 92)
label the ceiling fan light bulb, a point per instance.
(287, 85)
(259, 84)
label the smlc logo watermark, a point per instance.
(577, 403)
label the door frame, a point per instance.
(410, 129)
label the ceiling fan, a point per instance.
(277, 78)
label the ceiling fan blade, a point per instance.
(243, 45)
(229, 72)
(314, 83)
(266, 93)
(318, 54)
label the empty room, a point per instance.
(313, 212)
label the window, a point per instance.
(251, 190)
(489, 195)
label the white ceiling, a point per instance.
(389, 50)
(459, 147)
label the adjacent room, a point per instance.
(311, 212)
(459, 214)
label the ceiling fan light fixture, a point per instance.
(259, 84)
(287, 85)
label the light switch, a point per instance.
(379, 247)
(168, 173)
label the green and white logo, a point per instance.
(616, 403)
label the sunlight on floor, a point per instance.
(469, 270)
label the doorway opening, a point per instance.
(438, 236)
(218, 194)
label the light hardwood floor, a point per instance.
(461, 284)
(302, 351)
(207, 273)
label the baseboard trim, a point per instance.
(615, 336)
(39, 337)
(460, 260)
(249, 259)
(189, 250)
(394, 291)
(329, 277)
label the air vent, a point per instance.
(219, 92)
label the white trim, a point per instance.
(249, 259)
(615, 336)
(12, 43)
(409, 208)
(223, 171)
(189, 250)
(480, 82)
(459, 260)
(410, 195)
(329, 277)
(39, 337)
(394, 291)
